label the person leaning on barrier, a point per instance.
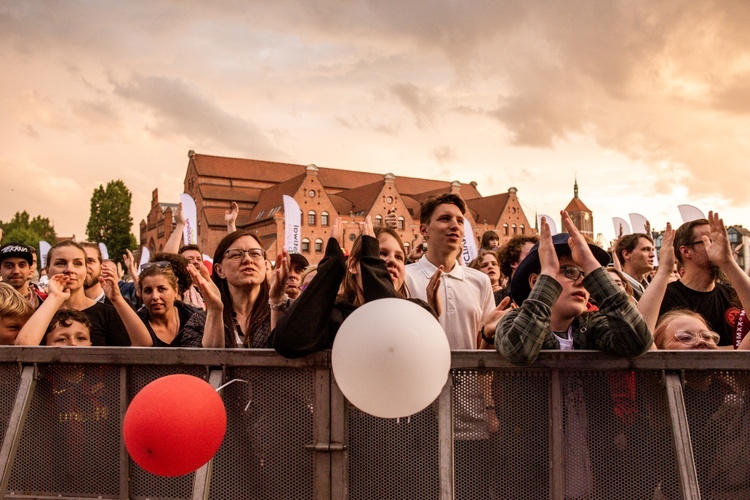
(15, 311)
(552, 287)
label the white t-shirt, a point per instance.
(466, 296)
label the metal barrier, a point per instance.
(573, 425)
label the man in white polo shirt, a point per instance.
(465, 305)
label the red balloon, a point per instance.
(174, 425)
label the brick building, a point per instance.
(322, 194)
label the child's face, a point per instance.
(75, 335)
(9, 328)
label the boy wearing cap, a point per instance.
(297, 265)
(16, 262)
(552, 286)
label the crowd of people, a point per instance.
(551, 292)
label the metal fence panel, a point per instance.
(270, 420)
(718, 413)
(9, 379)
(71, 439)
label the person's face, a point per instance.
(75, 335)
(15, 271)
(293, 280)
(9, 328)
(641, 259)
(445, 231)
(692, 332)
(244, 271)
(306, 280)
(93, 268)
(391, 253)
(158, 295)
(493, 243)
(194, 258)
(618, 281)
(490, 267)
(574, 297)
(69, 261)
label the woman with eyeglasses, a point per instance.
(239, 274)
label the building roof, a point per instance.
(363, 197)
(488, 209)
(233, 193)
(576, 205)
(272, 198)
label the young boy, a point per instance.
(15, 311)
(50, 325)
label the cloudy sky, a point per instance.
(648, 103)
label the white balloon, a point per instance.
(391, 358)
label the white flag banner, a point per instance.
(690, 213)
(190, 233)
(105, 252)
(470, 243)
(638, 223)
(620, 224)
(292, 223)
(44, 248)
(145, 256)
(550, 221)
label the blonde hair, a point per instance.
(660, 333)
(13, 304)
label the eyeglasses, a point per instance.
(691, 338)
(572, 272)
(237, 254)
(161, 264)
(698, 242)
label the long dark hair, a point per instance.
(260, 312)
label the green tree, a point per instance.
(23, 229)
(110, 220)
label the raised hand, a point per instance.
(667, 257)
(209, 290)
(433, 287)
(230, 217)
(579, 247)
(547, 256)
(366, 227)
(391, 220)
(491, 321)
(280, 275)
(179, 217)
(337, 230)
(717, 245)
(58, 287)
(108, 280)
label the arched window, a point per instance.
(400, 223)
(505, 229)
(305, 244)
(324, 218)
(523, 229)
(378, 220)
(318, 245)
(515, 229)
(311, 218)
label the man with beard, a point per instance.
(91, 286)
(16, 262)
(697, 246)
(636, 255)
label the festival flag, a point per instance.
(145, 256)
(105, 253)
(44, 248)
(189, 211)
(209, 263)
(470, 243)
(550, 221)
(690, 213)
(292, 223)
(639, 224)
(620, 225)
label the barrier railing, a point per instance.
(573, 425)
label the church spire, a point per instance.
(575, 188)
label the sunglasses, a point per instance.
(161, 264)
